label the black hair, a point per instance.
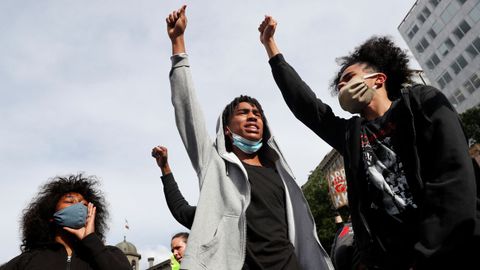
(230, 109)
(183, 235)
(37, 227)
(380, 55)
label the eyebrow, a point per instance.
(345, 75)
(247, 110)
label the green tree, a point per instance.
(316, 193)
(471, 122)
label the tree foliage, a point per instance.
(316, 193)
(471, 122)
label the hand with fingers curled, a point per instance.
(176, 23)
(160, 153)
(267, 29)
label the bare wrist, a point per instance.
(165, 169)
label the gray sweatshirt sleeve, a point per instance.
(188, 114)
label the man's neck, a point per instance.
(250, 159)
(378, 106)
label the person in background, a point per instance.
(180, 209)
(179, 244)
(64, 228)
(411, 184)
(342, 246)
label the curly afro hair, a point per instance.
(37, 228)
(380, 55)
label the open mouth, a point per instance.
(251, 127)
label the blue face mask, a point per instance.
(73, 216)
(247, 146)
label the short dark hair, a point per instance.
(381, 55)
(37, 228)
(230, 109)
(183, 235)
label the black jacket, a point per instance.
(438, 169)
(89, 254)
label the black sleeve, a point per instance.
(104, 257)
(449, 207)
(179, 207)
(305, 105)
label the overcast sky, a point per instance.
(84, 88)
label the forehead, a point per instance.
(357, 68)
(178, 241)
(73, 195)
(245, 105)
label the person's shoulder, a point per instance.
(114, 249)
(423, 92)
(20, 261)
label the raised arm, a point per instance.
(176, 25)
(178, 206)
(301, 100)
(267, 31)
(188, 115)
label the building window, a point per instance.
(446, 46)
(458, 64)
(423, 16)
(434, 3)
(449, 12)
(433, 61)
(461, 2)
(422, 45)
(461, 30)
(438, 26)
(413, 31)
(452, 100)
(444, 79)
(472, 84)
(475, 13)
(432, 33)
(459, 96)
(426, 12)
(474, 49)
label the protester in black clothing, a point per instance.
(64, 228)
(178, 206)
(411, 186)
(342, 246)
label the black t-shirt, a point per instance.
(268, 245)
(392, 211)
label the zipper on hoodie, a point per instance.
(69, 260)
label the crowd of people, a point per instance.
(412, 190)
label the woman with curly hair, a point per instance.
(411, 183)
(64, 227)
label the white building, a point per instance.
(444, 37)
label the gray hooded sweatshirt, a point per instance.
(219, 232)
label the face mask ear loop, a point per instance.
(368, 76)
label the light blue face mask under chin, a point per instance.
(247, 146)
(73, 216)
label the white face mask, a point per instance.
(356, 95)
